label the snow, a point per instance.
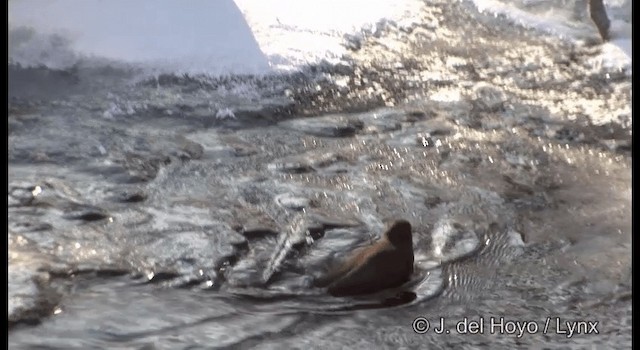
(198, 36)
(614, 54)
(249, 36)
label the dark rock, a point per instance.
(253, 232)
(85, 213)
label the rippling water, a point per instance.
(142, 214)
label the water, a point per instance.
(175, 211)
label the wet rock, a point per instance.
(292, 167)
(21, 227)
(432, 201)
(307, 163)
(253, 232)
(85, 213)
(440, 131)
(130, 196)
(329, 126)
(142, 167)
(190, 150)
(111, 272)
(417, 116)
(65, 271)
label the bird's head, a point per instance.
(399, 234)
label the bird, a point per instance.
(387, 263)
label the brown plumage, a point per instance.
(385, 264)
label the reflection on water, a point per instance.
(138, 219)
